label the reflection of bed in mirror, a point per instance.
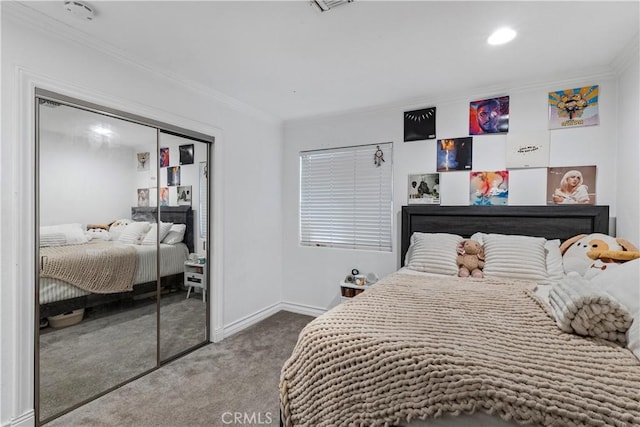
(58, 296)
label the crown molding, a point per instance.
(627, 56)
(439, 99)
(31, 18)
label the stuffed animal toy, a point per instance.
(98, 233)
(470, 258)
(580, 252)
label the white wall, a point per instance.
(322, 268)
(627, 171)
(247, 178)
(83, 183)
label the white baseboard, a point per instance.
(260, 315)
(28, 419)
(302, 309)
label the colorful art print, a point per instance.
(574, 107)
(186, 154)
(143, 161)
(454, 154)
(571, 185)
(489, 116)
(173, 175)
(527, 149)
(489, 188)
(143, 197)
(424, 188)
(184, 195)
(420, 124)
(164, 157)
(164, 196)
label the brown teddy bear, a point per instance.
(470, 258)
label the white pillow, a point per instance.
(515, 257)
(134, 233)
(433, 253)
(150, 238)
(175, 235)
(555, 270)
(73, 234)
(623, 283)
(553, 257)
(118, 227)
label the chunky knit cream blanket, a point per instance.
(415, 348)
(99, 267)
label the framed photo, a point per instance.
(420, 124)
(571, 185)
(186, 154)
(489, 188)
(164, 157)
(489, 116)
(143, 197)
(424, 188)
(143, 161)
(173, 175)
(184, 195)
(454, 154)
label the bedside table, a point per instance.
(350, 290)
(195, 275)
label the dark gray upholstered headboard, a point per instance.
(174, 214)
(552, 222)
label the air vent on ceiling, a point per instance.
(325, 5)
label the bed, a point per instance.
(58, 296)
(423, 347)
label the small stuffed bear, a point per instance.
(470, 258)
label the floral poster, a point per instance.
(489, 188)
(574, 107)
(571, 185)
(489, 116)
(424, 188)
(454, 154)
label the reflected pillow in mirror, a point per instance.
(175, 235)
(116, 229)
(134, 233)
(52, 234)
(150, 238)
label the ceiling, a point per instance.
(292, 61)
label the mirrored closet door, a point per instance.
(122, 217)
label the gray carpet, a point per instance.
(208, 387)
(81, 361)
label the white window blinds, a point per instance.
(345, 199)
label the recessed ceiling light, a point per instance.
(501, 36)
(79, 10)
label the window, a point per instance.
(346, 200)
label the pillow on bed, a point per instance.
(515, 257)
(134, 233)
(623, 283)
(555, 270)
(117, 227)
(150, 238)
(433, 253)
(63, 234)
(175, 235)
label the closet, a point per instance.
(122, 219)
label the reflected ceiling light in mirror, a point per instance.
(501, 36)
(101, 130)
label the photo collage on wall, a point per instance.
(165, 196)
(567, 108)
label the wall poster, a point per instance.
(489, 188)
(574, 107)
(489, 116)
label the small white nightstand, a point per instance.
(350, 290)
(195, 275)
